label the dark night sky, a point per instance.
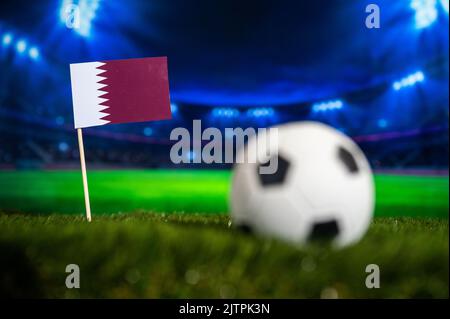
(242, 52)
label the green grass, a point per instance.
(186, 255)
(185, 248)
(187, 191)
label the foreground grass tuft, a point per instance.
(194, 255)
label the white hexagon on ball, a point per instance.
(323, 187)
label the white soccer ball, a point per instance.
(322, 189)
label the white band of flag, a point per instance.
(86, 92)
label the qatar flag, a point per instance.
(120, 91)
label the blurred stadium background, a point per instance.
(231, 64)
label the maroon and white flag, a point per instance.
(120, 91)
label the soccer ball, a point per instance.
(322, 188)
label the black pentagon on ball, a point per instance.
(279, 176)
(347, 158)
(324, 231)
(245, 228)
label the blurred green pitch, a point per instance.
(189, 191)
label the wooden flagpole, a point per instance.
(84, 174)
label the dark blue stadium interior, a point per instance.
(231, 64)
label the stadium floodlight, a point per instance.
(445, 4)
(7, 39)
(191, 155)
(382, 123)
(409, 80)
(33, 53)
(225, 112)
(63, 147)
(173, 108)
(260, 112)
(59, 120)
(79, 16)
(64, 10)
(327, 106)
(21, 46)
(426, 12)
(148, 131)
